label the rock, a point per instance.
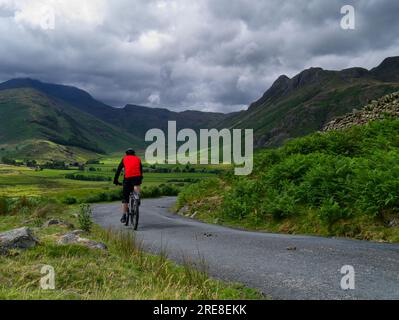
(17, 239)
(208, 235)
(183, 211)
(74, 238)
(378, 109)
(291, 248)
(55, 222)
(78, 232)
(3, 251)
(393, 223)
(194, 215)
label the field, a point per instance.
(18, 181)
(30, 197)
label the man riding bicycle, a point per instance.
(132, 180)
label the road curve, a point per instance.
(282, 266)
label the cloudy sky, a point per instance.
(217, 55)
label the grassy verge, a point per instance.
(124, 271)
(343, 183)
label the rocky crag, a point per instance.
(386, 107)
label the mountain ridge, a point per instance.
(291, 107)
(30, 116)
(300, 105)
(134, 119)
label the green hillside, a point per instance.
(339, 183)
(136, 120)
(35, 113)
(33, 124)
(304, 104)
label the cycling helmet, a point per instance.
(130, 152)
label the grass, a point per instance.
(343, 183)
(30, 198)
(124, 271)
(22, 181)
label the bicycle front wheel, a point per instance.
(135, 216)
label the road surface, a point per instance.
(281, 266)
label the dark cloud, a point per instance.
(200, 54)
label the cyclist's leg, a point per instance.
(137, 187)
(127, 189)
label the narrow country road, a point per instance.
(282, 266)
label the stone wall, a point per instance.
(387, 106)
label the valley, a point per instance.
(55, 122)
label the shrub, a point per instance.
(24, 205)
(242, 200)
(7, 160)
(85, 217)
(205, 188)
(330, 212)
(70, 200)
(4, 206)
(327, 177)
(96, 198)
(151, 192)
(82, 177)
(168, 190)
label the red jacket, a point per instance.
(132, 165)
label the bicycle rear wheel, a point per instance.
(135, 215)
(130, 212)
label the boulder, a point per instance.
(74, 238)
(17, 239)
(393, 223)
(183, 211)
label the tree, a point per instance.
(9, 161)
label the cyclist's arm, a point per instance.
(118, 172)
(141, 170)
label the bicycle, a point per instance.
(133, 213)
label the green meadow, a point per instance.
(21, 181)
(30, 196)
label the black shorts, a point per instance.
(128, 187)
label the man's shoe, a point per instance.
(123, 219)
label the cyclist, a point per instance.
(132, 180)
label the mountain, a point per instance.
(33, 124)
(44, 120)
(388, 70)
(136, 120)
(304, 104)
(74, 96)
(64, 122)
